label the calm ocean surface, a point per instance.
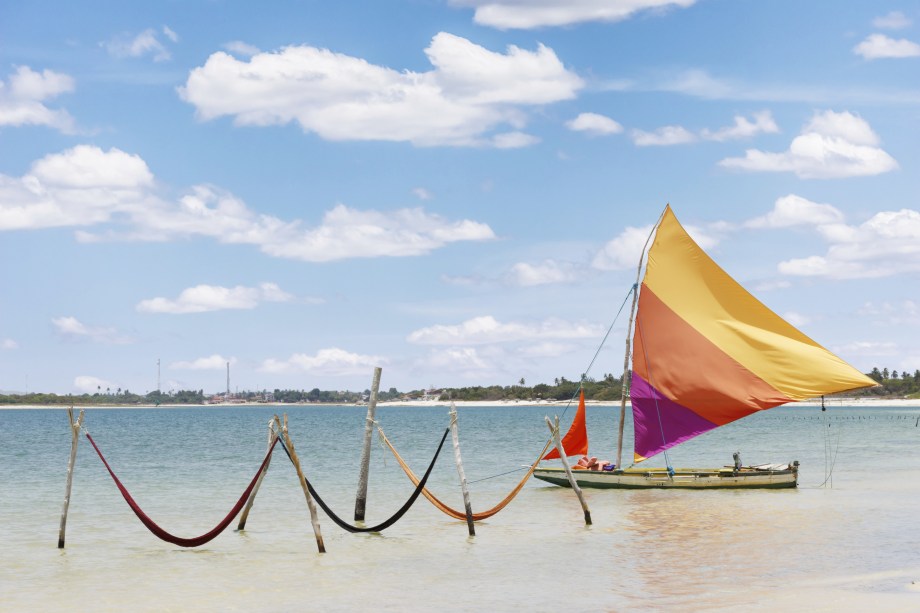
(853, 546)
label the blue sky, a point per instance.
(454, 190)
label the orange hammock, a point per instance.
(453, 512)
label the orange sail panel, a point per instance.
(575, 441)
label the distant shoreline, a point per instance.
(830, 403)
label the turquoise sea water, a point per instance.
(853, 546)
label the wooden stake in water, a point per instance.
(303, 481)
(466, 491)
(568, 471)
(74, 439)
(361, 497)
(252, 497)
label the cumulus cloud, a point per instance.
(332, 361)
(212, 362)
(71, 328)
(139, 45)
(240, 48)
(8, 344)
(879, 46)
(595, 124)
(205, 298)
(624, 251)
(529, 14)
(422, 194)
(86, 384)
(895, 20)
(86, 186)
(488, 330)
(761, 123)
(544, 273)
(832, 145)
(794, 210)
(886, 244)
(23, 96)
(470, 93)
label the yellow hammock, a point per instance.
(453, 512)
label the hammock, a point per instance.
(448, 510)
(395, 517)
(163, 534)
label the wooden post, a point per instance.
(361, 497)
(303, 481)
(252, 497)
(568, 471)
(74, 439)
(466, 491)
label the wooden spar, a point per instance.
(255, 490)
(361, 497)
(568, 471)
(632, 315)
(283, 429)
(463, 485)
(74, 439)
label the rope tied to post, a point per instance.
(163, 534)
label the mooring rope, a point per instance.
(441, 505)
(163, 534)
(395, 517)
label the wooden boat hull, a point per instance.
(683, 478)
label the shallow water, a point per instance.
(850, 545)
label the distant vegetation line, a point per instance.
(892, 384)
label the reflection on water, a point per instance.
(803, 549)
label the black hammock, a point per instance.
(395, 517)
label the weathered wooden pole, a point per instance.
(463, 485)
(255, 490)
(568, 471)
(303, 481)
(74, 439)
(361, 497)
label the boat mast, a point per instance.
(629, 327)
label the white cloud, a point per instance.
(240, 48)
(87, 186)
(9, 344)
(867, 349)
(421, 193)
(794, 210)
(592, 123)
(487, 330)
(624, 251)
(145, 43)
(22, 99)
(885, 245)
(470, 92)
(879, 46)
(662, 137)
(332, 361)
(544, 273)
(899, 314)
(85, 384)
(832, 145)
(212, 362)
(73, 329)
(796, 319)
(514, 140)
(465, 362)
(895, 20)
(205, 298)
(761, 122)
(529, 14)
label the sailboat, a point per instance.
(705, 352)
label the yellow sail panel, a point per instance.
(692, 285)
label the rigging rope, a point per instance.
(420, 486)
(442, 506)
(163, 534)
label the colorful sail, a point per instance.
(575, 441)
(706, 352)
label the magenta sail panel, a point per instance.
(676, 424)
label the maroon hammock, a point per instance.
(176, 540)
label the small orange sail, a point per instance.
(575, 441)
